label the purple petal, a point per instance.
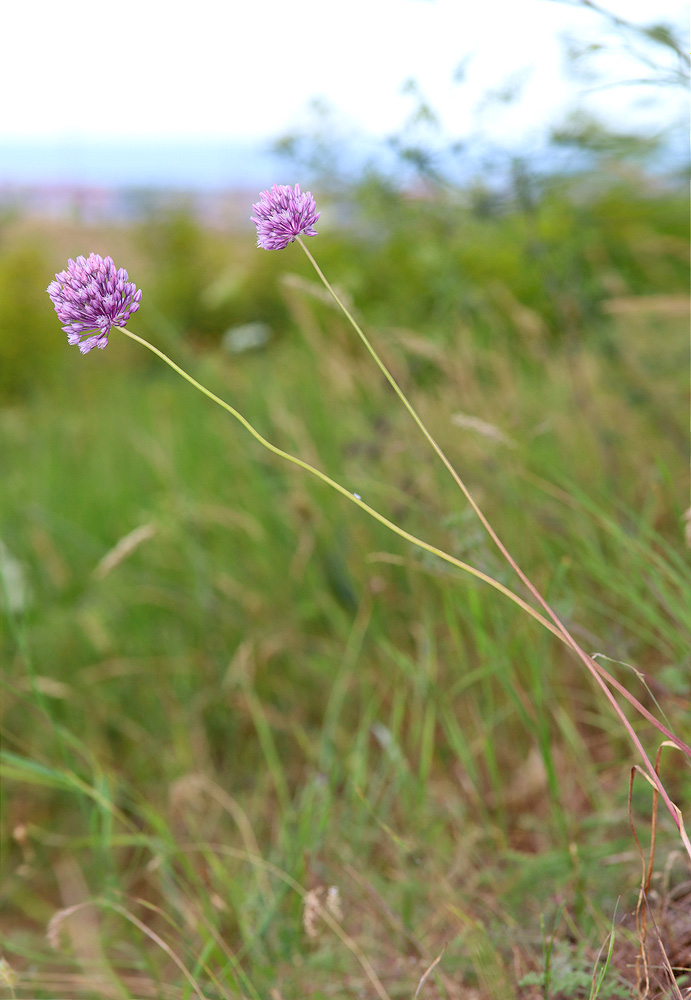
(90, 297)
(282, 214)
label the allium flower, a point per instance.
(90, 297)
(282, 214)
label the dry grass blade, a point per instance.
(642, 966)
(428, 971)
(122, 549)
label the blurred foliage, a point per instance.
(196, 287)
(184, 257)
(30, 351)
(556, 248)
(657, 52)
(184, 261)
(528, 268)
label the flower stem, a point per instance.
(459, 564)
(595, 669)
(418, 542)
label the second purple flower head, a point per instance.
(282, 214)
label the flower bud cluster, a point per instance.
(92, 296)
(282, 214)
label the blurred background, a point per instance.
(156, 99)
(173, 123)
(201, 646)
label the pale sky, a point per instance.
(229, 69)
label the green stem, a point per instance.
(413, 540)
(595, 670)
(405, 534)
(342, 490)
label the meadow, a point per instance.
(256, 745)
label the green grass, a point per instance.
(272, 694)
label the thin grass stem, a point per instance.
(590, 664)
(413, 539)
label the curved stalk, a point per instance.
(593, 667)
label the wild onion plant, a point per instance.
(92, 297)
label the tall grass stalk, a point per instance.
(555, 626)
(440, 553)
(594, 667)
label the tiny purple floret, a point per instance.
(92, 296)
(282, 214)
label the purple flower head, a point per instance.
(282, 214)
(90, 297)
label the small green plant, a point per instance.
(568, 972)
